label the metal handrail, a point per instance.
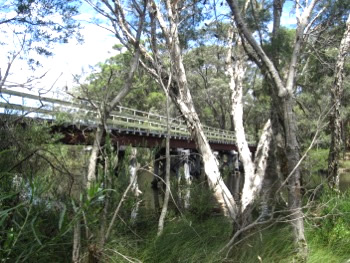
(120, 118)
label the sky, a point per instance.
(74, 58)
(68, 59)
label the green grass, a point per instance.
(319, 253)
(187, 242)
(183, 241)
(197, 239)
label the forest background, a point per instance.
(230, 65)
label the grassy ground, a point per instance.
(191, 242)
(190, 239)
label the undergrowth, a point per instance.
(186, 242)
(191, 240)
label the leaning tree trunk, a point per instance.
(167, 170)
(181, 96)
(335, 122)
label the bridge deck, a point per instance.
(132, 126)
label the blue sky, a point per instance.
(74, 58)
(68, 59)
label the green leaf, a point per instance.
(34, 232)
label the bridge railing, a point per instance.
(121, 118)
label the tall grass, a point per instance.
(183, 241)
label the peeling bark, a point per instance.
(294, 195)
(285, 92)
(181, 96)
(253, 171)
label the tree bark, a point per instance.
(167, 171)
(181, 96)
(285, 92)
(91, 176)
(335, 122)
(294, 195)
(254, 172)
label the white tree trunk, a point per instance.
(183, 100)
(285, 92)
(253, 172)
(167, 170)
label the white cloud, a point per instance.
(73, 57)
(68, 59)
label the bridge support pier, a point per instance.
(235, 177)
(185, 160)
(133, 167)
(157, 174)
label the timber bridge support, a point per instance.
(77, 121)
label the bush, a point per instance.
(334, 224)
(201, 202)
(183, 241)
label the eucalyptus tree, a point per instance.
(254, 172)
(108, 97)
(308, 17)
(284, 86)
(163, 54)
(208, 84)
(31, 27)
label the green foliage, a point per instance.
(34, 25)
(32, 227)
(314, 168)
(209, 85)
(183, 241)
(201, 202)
(35, 223)
(258, 16)
(333, 222)
(108, 81)
(283, 46)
